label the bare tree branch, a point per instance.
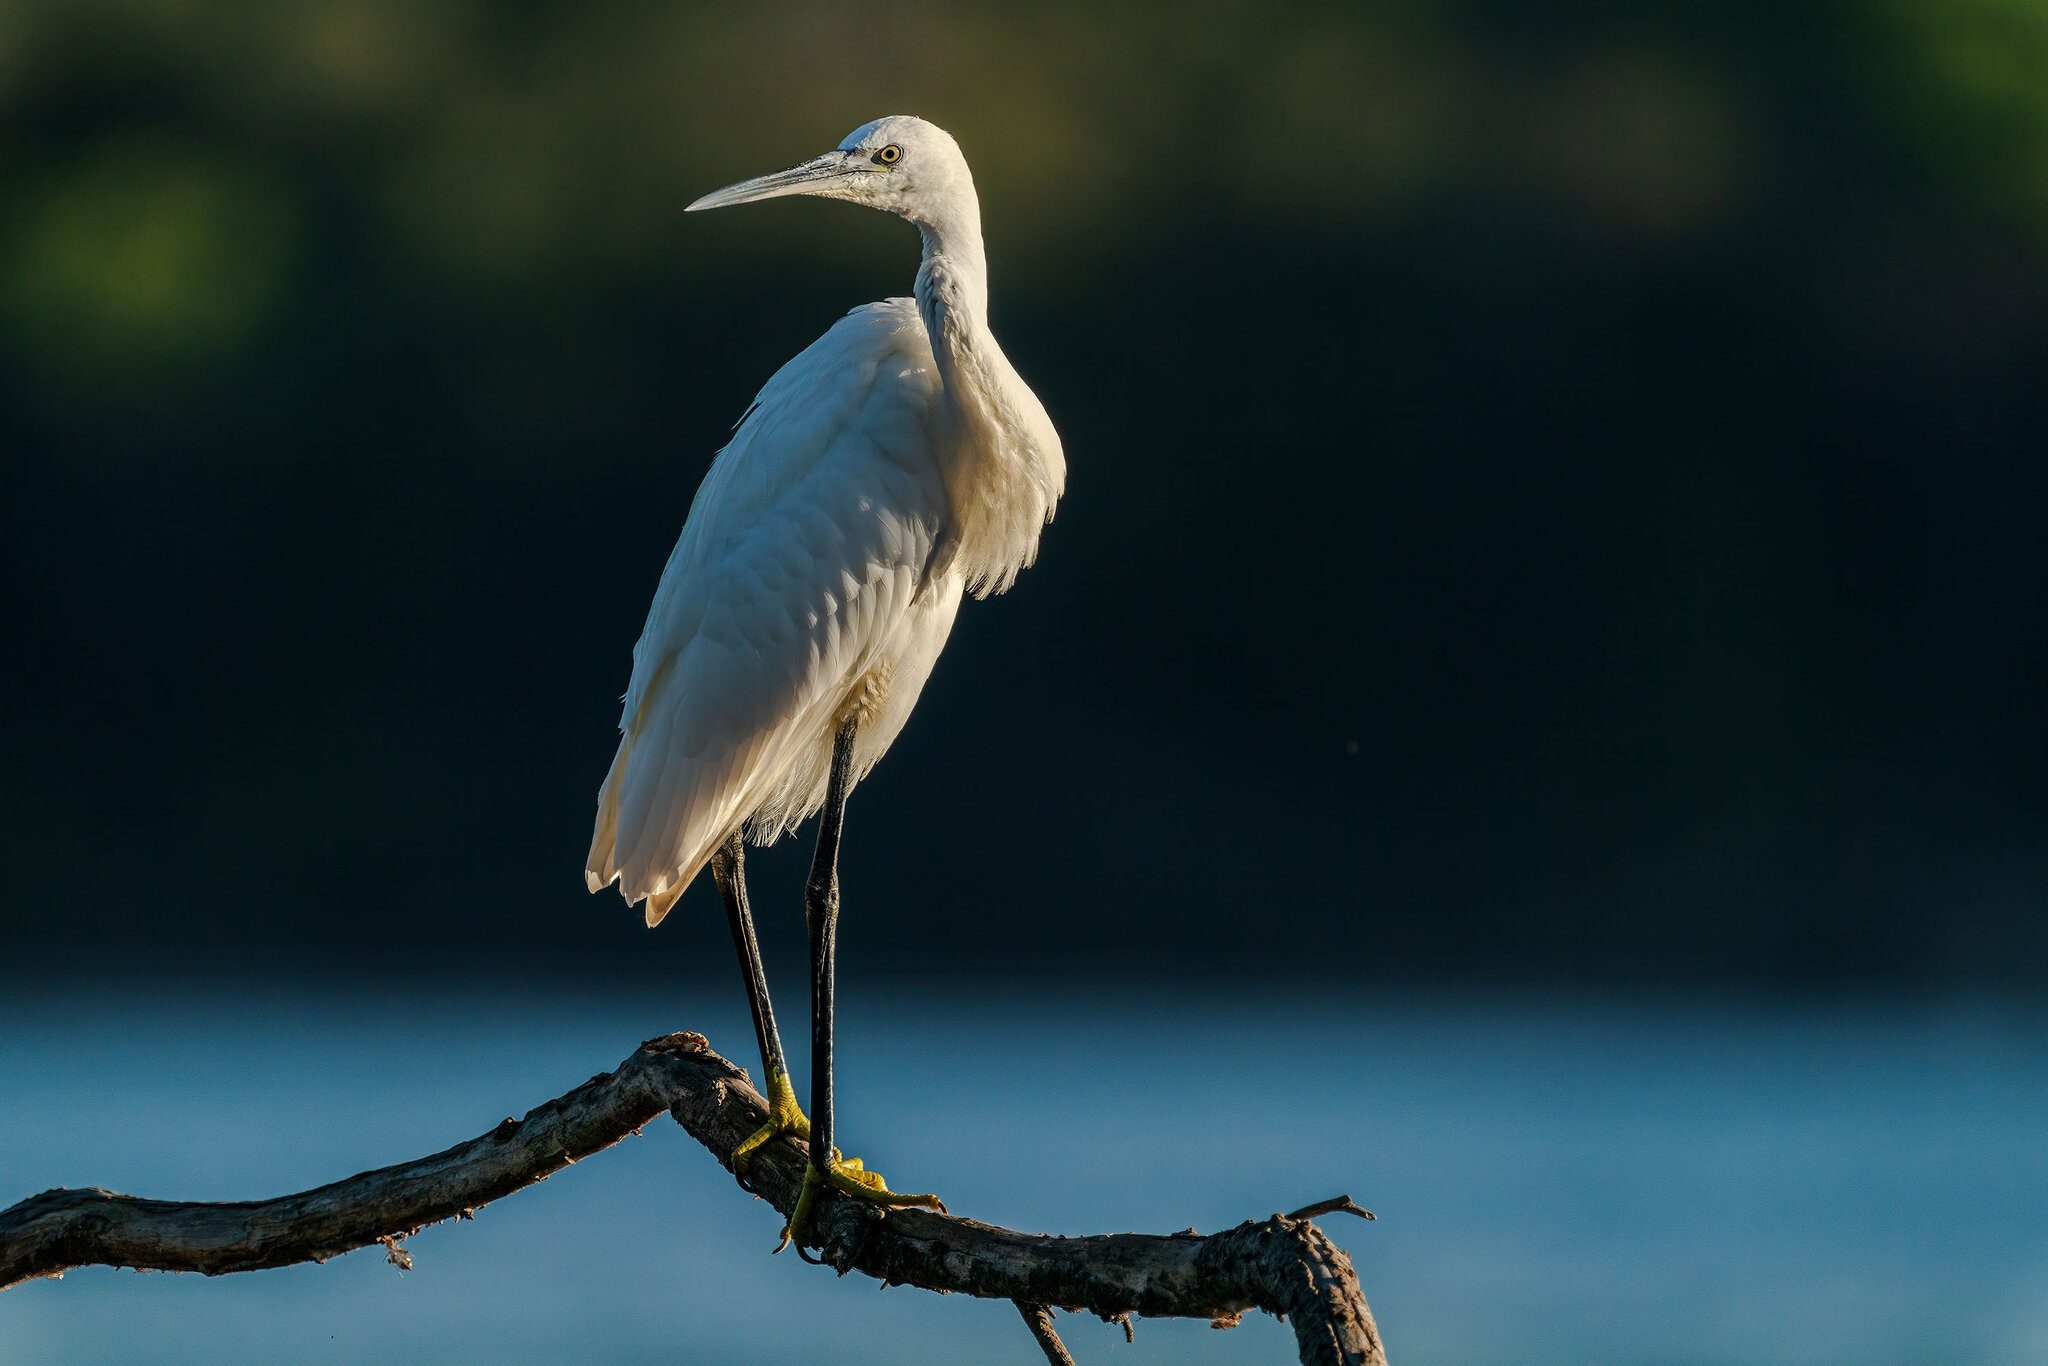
(1283, 1265)
(1039, 1320)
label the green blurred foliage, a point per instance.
(500, 143)
(143, 257)
(1967, 86)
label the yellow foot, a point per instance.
(784, 1117)
(849, 1177)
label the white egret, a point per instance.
(896, 464)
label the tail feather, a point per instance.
(660, 903)
(601, 867)
(699, 828)
(633, 828)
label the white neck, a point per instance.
(1002, 462)
(952, 285)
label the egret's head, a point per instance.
(900, 164)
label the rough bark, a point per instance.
(1283, 1265)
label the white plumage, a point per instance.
(895, 464)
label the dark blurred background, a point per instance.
(1556, 492)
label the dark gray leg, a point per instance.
(729, 871)
(821, 905)
(821, 910)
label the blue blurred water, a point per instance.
(1603, 1181)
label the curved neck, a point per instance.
(952, 287)
(995, 449)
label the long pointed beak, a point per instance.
(815, 176)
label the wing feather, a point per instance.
(803, 548)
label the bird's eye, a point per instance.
(889, 155)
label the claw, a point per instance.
(849, 1176)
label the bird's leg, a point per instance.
(821, 910)
(729, 871)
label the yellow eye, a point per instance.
(889, 155)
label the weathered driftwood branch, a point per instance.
(1283, 1265)
(1039, 1320)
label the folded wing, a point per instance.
(806, 544)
